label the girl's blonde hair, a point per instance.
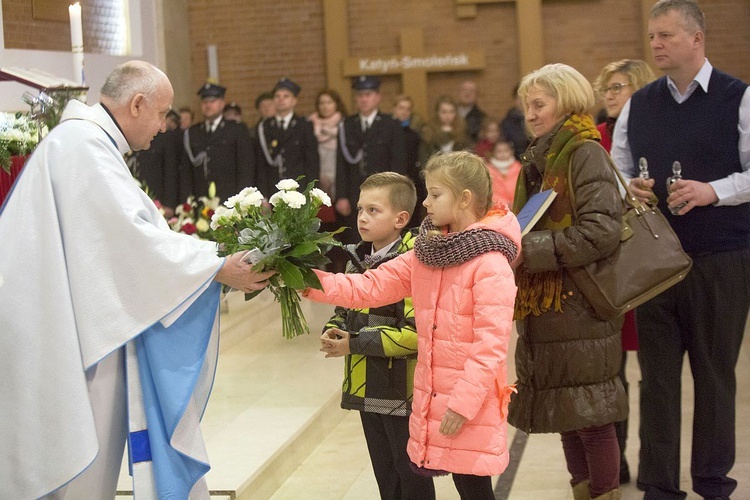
(638, 73)
(572, 91)
(461, 170)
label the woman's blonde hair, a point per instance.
(638, 73)
(572, 91)
(461, 170)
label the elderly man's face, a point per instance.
(150, 117)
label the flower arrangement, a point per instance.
(18, 136)
(194, 216)
(284, 238)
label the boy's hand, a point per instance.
(335, 343)
(452, 423)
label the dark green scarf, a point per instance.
(540, 292)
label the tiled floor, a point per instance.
(273, 428)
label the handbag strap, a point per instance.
(630, 198)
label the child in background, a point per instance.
(504, 170)
(460, 279)
(489, 134)
(380, 344)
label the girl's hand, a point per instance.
(452, 423)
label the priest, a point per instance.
(108, 320)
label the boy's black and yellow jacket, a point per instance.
(379, 372)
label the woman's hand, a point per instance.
(452, 423)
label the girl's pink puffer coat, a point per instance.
(464, 317)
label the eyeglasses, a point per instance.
(616, 88)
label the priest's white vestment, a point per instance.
(88, 265)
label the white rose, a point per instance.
(233, 200)
(275, 198)
(248, 190)
(218, 214)
(287, 185)
(15, 135)
(251, 199)
(293, 199)
(321, 195)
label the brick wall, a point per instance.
(102, 20)
(260, 41)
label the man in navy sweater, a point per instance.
(700, 117)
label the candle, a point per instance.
(76, 42)
(213, 63)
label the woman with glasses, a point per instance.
(616, 83)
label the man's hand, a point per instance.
(692, 193)
(343, 207)
(642, 189)
(335, 343)
(452, 423)
(240, 275)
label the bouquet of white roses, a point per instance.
(18, 136)
(284, 238)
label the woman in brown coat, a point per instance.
(567, 360)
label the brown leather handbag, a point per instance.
(649, 260)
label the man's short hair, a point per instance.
(690, 12)
(402, 194)
(265, 96)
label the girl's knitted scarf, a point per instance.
(540, 292)
(437, 249)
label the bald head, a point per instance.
(139, 96)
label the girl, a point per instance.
(445, 132)
(460, 279)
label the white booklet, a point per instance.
(534, 208)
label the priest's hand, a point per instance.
(240, 275)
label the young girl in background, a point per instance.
(504, 171)
(489, 134)
(460, 279)
(445, 132)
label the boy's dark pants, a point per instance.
(386, 437)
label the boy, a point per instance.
(380, 344)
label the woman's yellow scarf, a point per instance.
(540, 292)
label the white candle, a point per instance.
(76, 42)
(213, 63)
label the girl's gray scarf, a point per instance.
(435, 249)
